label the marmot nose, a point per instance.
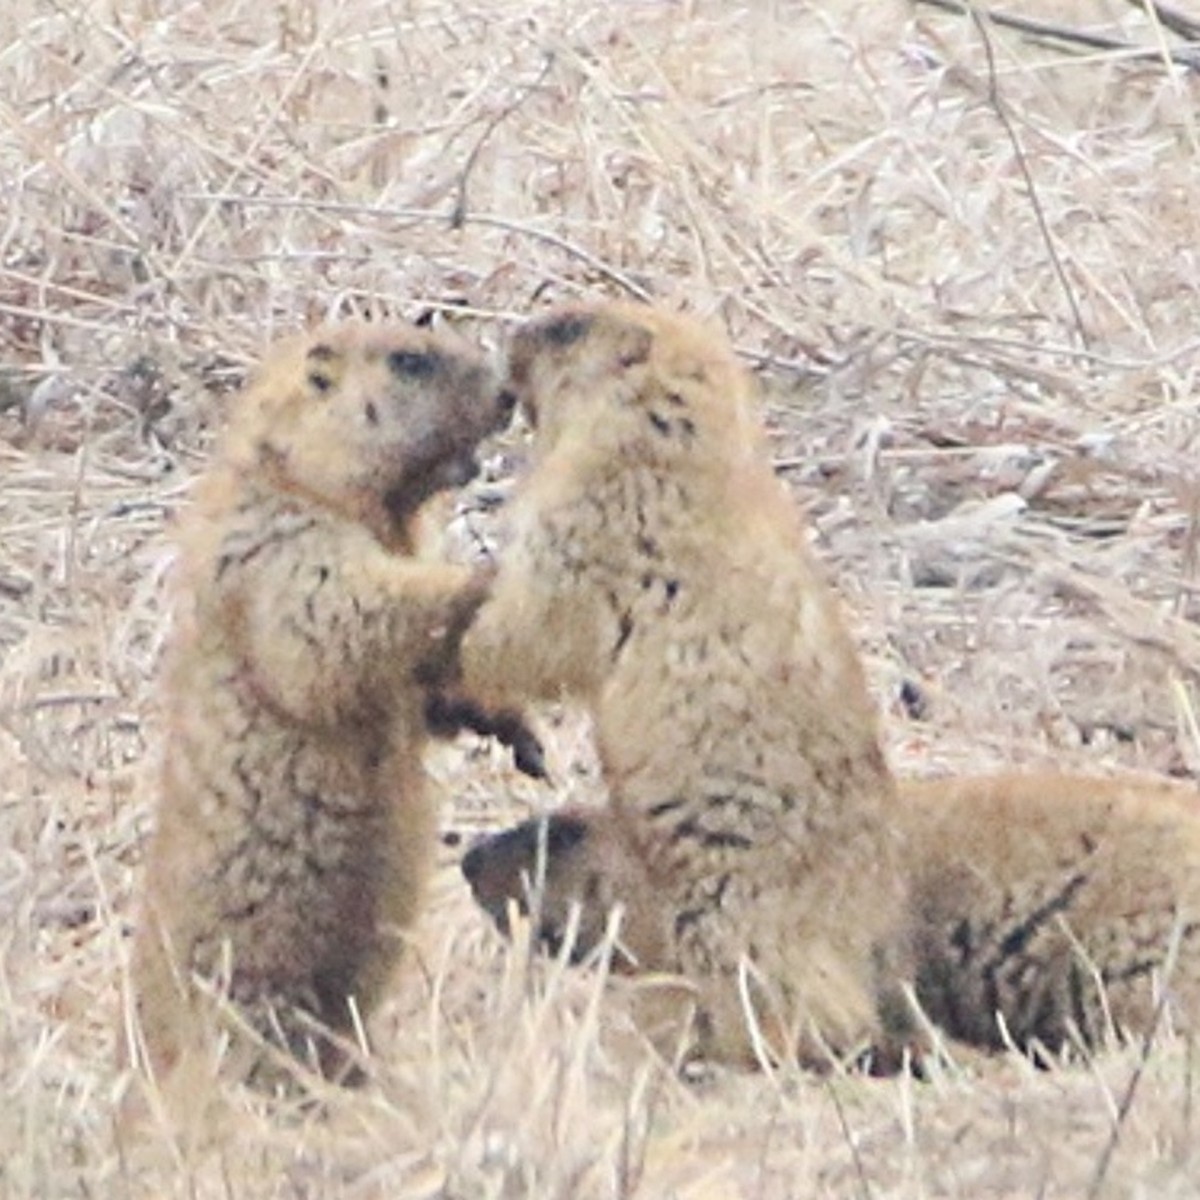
(472, 863)
(506, 401)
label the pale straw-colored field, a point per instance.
(967, 265)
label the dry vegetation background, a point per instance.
(968, 268)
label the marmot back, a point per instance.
(1064, 905)
(293, 830)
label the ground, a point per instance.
(966, 265)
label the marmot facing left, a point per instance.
(293, 829)
(659, 574)
(1047, 909)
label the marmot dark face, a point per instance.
(553, 360)
(568, 872)
(645, 383)
(376, 418)
(527, 866)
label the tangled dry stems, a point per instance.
(997, 453)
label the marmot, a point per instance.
(1047, 909)
(293, 828)
(658, 573)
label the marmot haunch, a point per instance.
(659, 574)
(293, 828)
(1046, 909)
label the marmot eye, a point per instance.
(412, 364)
(565, 331)
(317, 379)
(564, 833)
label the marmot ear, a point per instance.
(634, 346)
(567, 329)
(318, 378)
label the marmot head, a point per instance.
(567, 872)
(631, 378)
(369, 418)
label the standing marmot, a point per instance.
(659, 574)
(1045, 906)
(293, 829)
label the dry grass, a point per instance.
(969, 267)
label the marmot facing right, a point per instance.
(659, 573)
(294, 830)
(1046, 908)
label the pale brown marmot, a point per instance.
(1048, 910)
(293, 829)
(659, 575)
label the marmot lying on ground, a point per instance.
(1047, 909)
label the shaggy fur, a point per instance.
(659, 574)
(1047, 909)
(293, 830)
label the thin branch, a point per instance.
(458, 214)
(860, 1173)
(1169, 17)
(1148, 1040)
(1063, 35)
(1031, 26)
(417, 215)
(1001, 110)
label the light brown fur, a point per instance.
(659, 575)
(293, 829)
(1045, 907)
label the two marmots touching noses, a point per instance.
(658, 575)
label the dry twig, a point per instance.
(1064, 35)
